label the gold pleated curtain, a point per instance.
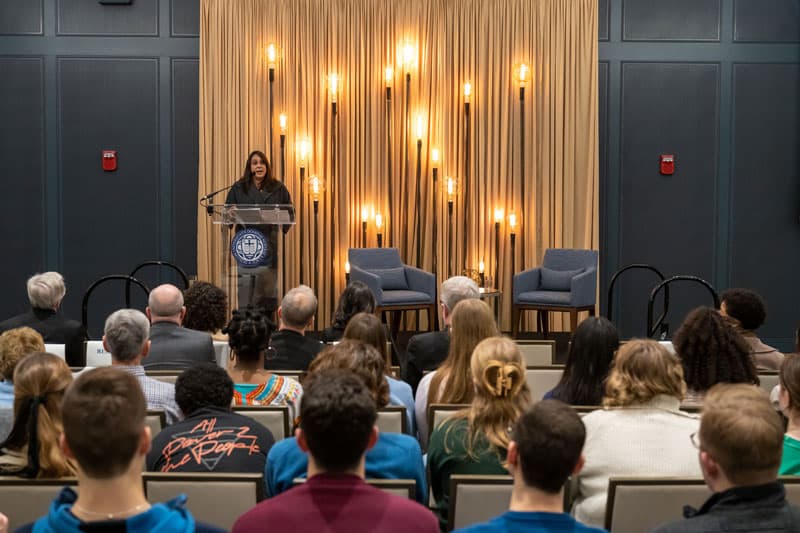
(374, 165)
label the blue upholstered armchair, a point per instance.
(566, 282)
(397, 287)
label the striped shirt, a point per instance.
(158, 394)
(278, 390)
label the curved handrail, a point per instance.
(651, 329)
(619, 272)
(167, 264)
(93, 286)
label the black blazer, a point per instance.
(55, 329)
(292, 351)
(425, 351)
(173, 347)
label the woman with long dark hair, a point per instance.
(589, 360)
(356, 298)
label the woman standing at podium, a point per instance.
(257, 284)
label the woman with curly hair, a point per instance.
(356, 298)
(641, 431)
(248, 336)
(206, 309)
(475, 440)
(32, 448)
(471, 322)
(712, 352)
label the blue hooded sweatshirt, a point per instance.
(168, 517)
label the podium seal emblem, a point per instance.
(250, 248)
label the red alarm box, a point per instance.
(109, 160)
(667, 164)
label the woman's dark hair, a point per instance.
(712, 351)
(356, 298)
(588, 363)
(248, 334)
(247, 175)
(206, 307)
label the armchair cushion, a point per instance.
(557, 280)
(391, 278)
(544, 298)
(405, 297)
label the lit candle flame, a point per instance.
(435, 155)
(467, 90)
(304, 149)
(364, 214)
(512, 220)
(408, 54)
(481, 267)
(378, 221)
(523, 73)
(420, 126)
(333, 85)
(498, 215)
(282, 122)
(347, 267)
(388, 75)
(450, 187)
(272, 54)
(314, 186)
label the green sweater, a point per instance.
(790, 463)
(447, 455)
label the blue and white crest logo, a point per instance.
(250, 248)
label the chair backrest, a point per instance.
(156, 420)
(216, 499)
(542, 379)
(475, 499)
(439, 412)
(166, 376)
(768, 380)
(405, 488)
(24, 500)
(663, 498)
(96, 355)
(569, 259)
(222, 352)
(273, 417)
(392, 419)
(370, 258)
(55, 349)
(537, 352)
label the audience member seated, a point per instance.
(545, 450)
(31, 449)
(337, 428)
(45, 294)
(475, 440)
(356, 298)
(292, 350)
(739, 448)
(367, 328)
(394, 456)
(248, 333)
(712, 352)
(471, 322)
(174, 347)
(642, 432)
(106, 437)
(426, 351)
(15, 344)
(126, 338)
(588, 363)
(747, 310)
(789, 403)
(206, 309)
(211, 438)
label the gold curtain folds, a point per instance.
(456, 41)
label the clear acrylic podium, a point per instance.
(257, 285)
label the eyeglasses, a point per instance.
(695, 440)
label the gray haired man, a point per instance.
(291, 349)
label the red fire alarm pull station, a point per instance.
(109, 160)
(667, 164)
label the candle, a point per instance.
(314, 181)
(388, 75)
(420, 126)
(523, 73)
(450, 187)
(364, 214)
(333, 85)
(467, 90)
(481, 267)
(512, 221)
(498, 216)
(347, 267)
(435, 155)
(272, 55)
(282, 122)
(304, 147)
(378, 221)
(408, 55)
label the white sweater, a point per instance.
(651, 439)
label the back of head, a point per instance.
(45, 291)
(588, 363)
(104, 412)
(501, 391)
(248, 334)
(712, 351)
(356, 298)
(740, 429)
(456, 289)
(165, 301)
(15, 344)
(362, 360)
(298, 307)
(201, 386)
(790, 382)
(367, 328)
(337, 414)
(471, 322)
(39, 384)
(642, 370)
(745, 306)
(126, 332)
(206, 307)
(549, 438)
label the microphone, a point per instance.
(209, 196)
